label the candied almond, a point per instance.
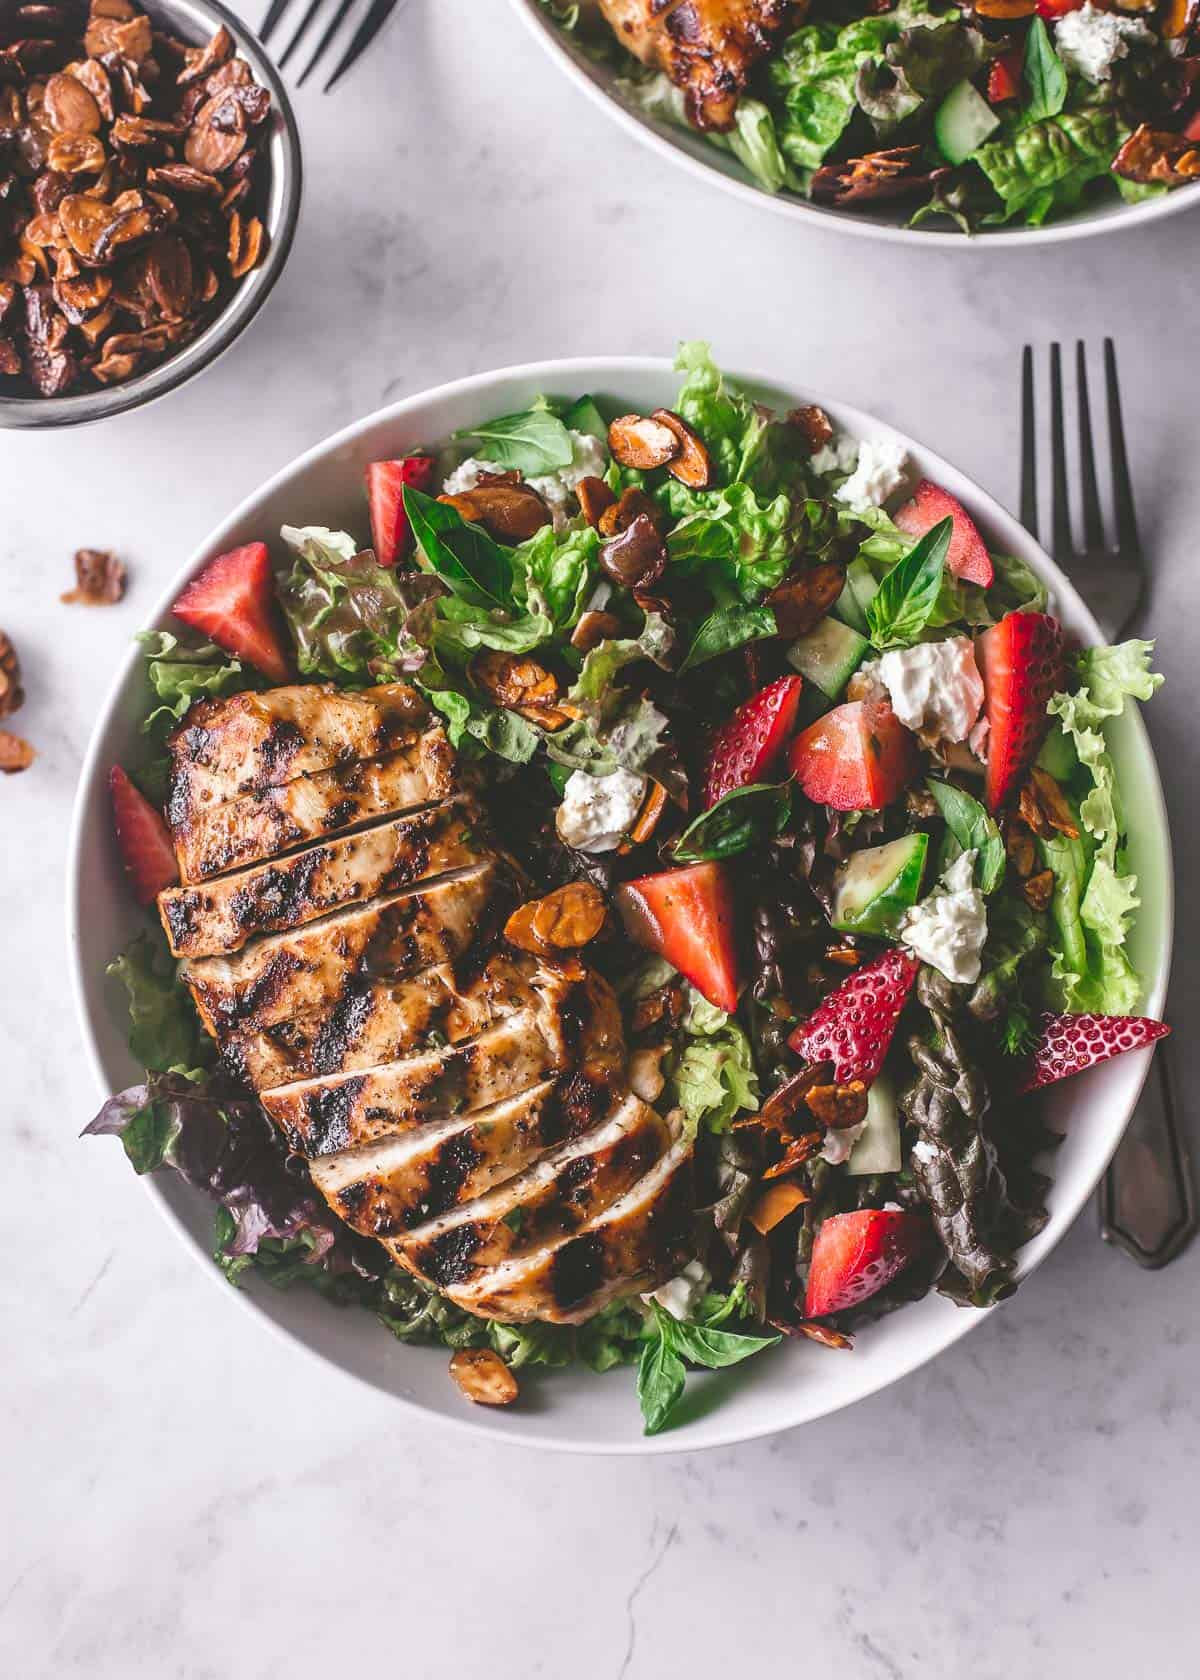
(15, 754)
(75, 154)
(837, 1106)
(775, 1203)
(249, 244)
(69, 107)
(594, 498)
(632, 504)
(484, 1377)
(1039, 890)
(510, 512)
(637, 558)
(564, 920)
(594, 628)
(804, 598)
(634, 440)
(693, 465)
(513, 680)
(12, 695)
(648, 817)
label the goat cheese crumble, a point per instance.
(683, 1294)
(1091, 41)
(948, 929)
(881, 469)
(598, 811)
(935, 687)
(839, 1142)
(589, 459)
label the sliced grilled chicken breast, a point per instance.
(548, 1201)
(706, 47)
(377, 1021)
(272, 820)
(291, 976)
(220, 916)
(638, 1242)
(228, 747)
(403, 1180)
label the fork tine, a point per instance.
(314, 7)
(380, 12)
(335, 23)
(271, 21)
(1128, 542)
(1093, 524)
(1029, 502)
(1060, 513)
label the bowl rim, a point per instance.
(81, 408)
(660, 138)
(593, 372)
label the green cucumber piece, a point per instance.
(857, 594)
(878, 1146)
(584, 416)
(873, 888)
(847, 609)
(963, 122)
(829, 656)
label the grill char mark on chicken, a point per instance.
(706, 47)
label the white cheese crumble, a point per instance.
(598, 811)
(935, 686)
(838, 455)
(683, 1294)
(1091, 41)
(839, 1143)
(557, 489)
(882, 466)
(948, 929)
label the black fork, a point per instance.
(1147, 1203)
(336, 12)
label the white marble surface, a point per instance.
(184, 1497)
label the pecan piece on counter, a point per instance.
(802, 600)
(693, 465)
(484, 1377)
(635, 440)
(564, 920)
(1152, 156)
(99, 579)
(15, 754)
(12, 695)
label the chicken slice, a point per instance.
(272, 820)
(574, 1025)
(291, 976)
(220, 916)
(548, 1201)
(375, 1021)
(383, 1188)
(241, 743)
(706, 47)
(638, 1242)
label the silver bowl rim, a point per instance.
(286, 188)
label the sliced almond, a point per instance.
(775, 1203)
(693, 465)
(484, 1377)
(1038, 890)
(510, 512)
(594, 497)
(564, 920)
(636, 441)
(15, 754)
(69, 107)
(802, 600)
(838, 1106)
(637, 558)
(594, 628)
(621, 515)
(653, 806)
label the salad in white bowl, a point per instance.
(626, 911)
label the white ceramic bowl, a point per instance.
(573, 1410)
(600, 81)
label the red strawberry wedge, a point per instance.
(142, 836)
(1004, 77)
(747, 747)
(232, 602)
(853, 1027)
(858, 757)
(686, 915)
(1067, 1044)
(968, 557)
(1021, 662)
(390, 530)
(856, 1254)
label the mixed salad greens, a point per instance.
(988, 114)
(843, 786)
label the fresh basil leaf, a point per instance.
(906, 597)
(736, 822)
(1043, 77)
(533, 443)
(660, 1380)
(584, 416)
(468, 561)
(726, 628)
(972, 830)
(715, 1349)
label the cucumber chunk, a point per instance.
(828, 656)
(873, 888)
(963, 122)
(857, 594)
(878, 1146)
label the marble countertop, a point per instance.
(185, 1496)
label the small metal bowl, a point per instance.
(195, 21)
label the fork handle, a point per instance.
(1147, 1202)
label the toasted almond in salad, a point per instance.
(484, 1377)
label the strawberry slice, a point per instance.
(856, 1254)
(1051, 9)
(967, 557)
(686, 915)
(1191, 128)
(1021, 662)
(390, 530)
(853, 1027)
(143, 839)
(1004, 77)
(232, 602)
(744, 749)
(858, 757)
(1067, 1044)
